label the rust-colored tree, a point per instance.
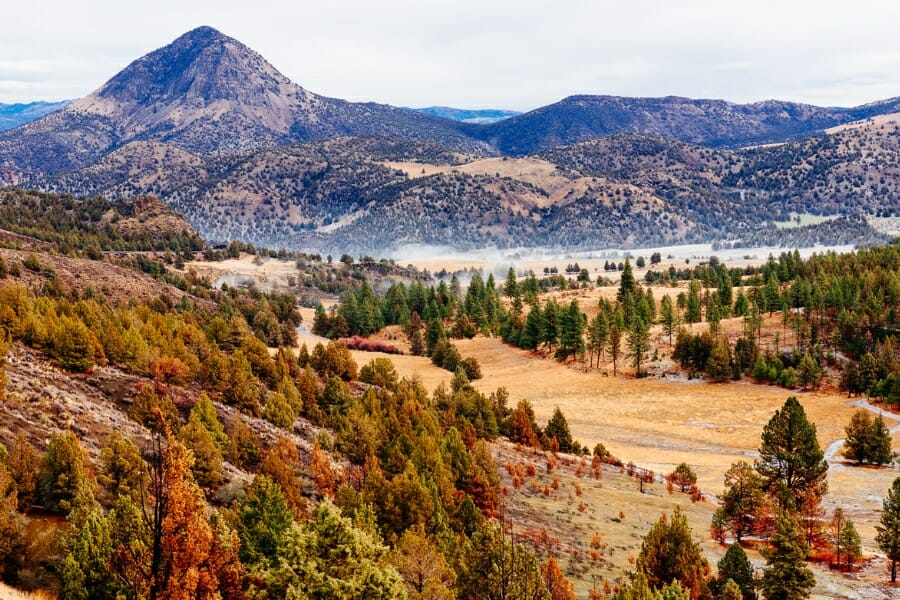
(169, 370)
(321, 471)
(168, 548)
(559, 587)
(281, 464)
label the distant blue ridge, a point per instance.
(489, 115)
(13, 115)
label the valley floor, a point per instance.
(658, 423)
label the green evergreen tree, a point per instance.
(63, 473)
(718, 365)
(791, 461)
(743, 498)
(86, 572)
(850, 544)
(736, 568)
(558, 429)
(741, 304)
(495, 568)
(616, 331)
(206, 412)
(668, 553)
(72, 344)
(627, 283)
(534, 326)
(692, 309)
(786, 576)
(511, 287)
(328, 557)
(888, 536)
(571, 340)
(263, 520)
(668, 317)
(121, 469)
(809, 372)
(207, 466)
(868, 440)
(713, 315)
(638, 343)
(550, 331)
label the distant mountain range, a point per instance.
(478, 117)
(713, 123)
(218, 133)
(13, 115)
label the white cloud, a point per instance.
(483, 53)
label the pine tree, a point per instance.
(534, 325)
(638, 342)
(731, 591)
(206, 412)
(888, 536)
(511, 287)
(616, 331)
(626, 283)
(791, 461)
(263, 521)
(692, 309)
(24, 467)
(809, 372)
(786, 576)
(497, 569)
(558, 429)
(121, 469)
(598, 334)
(207, 464)
(423, 567)
(279, 412)
(668, 553)
(868, 440)
(742, 500)
(851, 544)
(735, 567)
(718, 365)
(684, 477)
(571, 340)
(713, 315)
(85, 571)
(72, 344)
(327, 557)
(62, 473)
(668, 318)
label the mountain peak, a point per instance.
(203, 65)
(203, 33)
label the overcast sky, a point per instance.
(482, 54)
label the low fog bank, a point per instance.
(498, 261)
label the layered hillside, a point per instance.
(374, 195)
(216, 132)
